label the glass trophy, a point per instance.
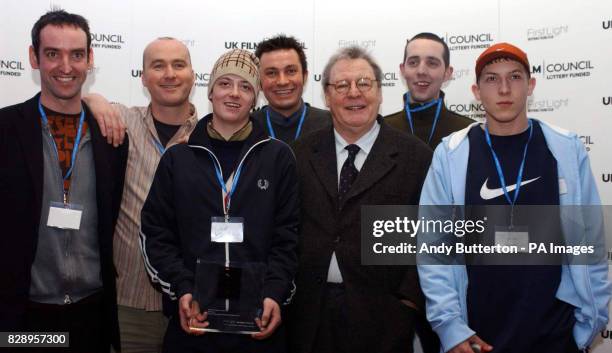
(231, 294)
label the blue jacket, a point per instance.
(445, 286)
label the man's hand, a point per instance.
(466, 346)
(190, 315)
(107, 117)
(270, 319)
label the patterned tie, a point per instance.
(348, 173)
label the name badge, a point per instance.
(513, 236)
(562, 186)
(230, 230)
(65, 216)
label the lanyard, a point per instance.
(426, 106)
(77, 141)
(159, 146)
(228, 195)
(299, 128)
(498, 167)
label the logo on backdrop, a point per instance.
(606, 24)
(389, 79)
(364, 43)
(229, 45)
(202, 79)
(606, 100)
(563, 70)
(544, 33)
(471, 110)
(472, 41)
(547, 105)
(459, 74)
(189, 43)
(607, 333)
(10, 67)
(588, 142)
(107, 40)
(606, 177)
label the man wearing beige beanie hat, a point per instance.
(225, 204)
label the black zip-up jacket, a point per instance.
(185, 194)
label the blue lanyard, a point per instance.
(500, 172)
(299, 128)
(77, 140)
(159, 146)
(426, 106)
(228, 195)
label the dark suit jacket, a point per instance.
(21, 187)
(393, 173)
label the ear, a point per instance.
(448, 73)
(531, 87)
(305, 77)
(33, 59)
(90, 59)
(476, 91)
(326, 94)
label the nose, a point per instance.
(65, 64)
(353, 90)
(235, 91)
(169, 72)
(504, 87)
(422, 68)
(282, 79)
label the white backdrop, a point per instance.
(569, 44)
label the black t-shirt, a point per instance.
(514, 307)
(165, 131)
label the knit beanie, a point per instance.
(238, 62)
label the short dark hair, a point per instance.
(435, 38)
(59, 18)
(351, 53)
(279, 42)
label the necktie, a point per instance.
(349, 172)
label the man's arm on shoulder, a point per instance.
(109, 118)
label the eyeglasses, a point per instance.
(363, 84)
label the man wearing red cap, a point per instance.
(513, 160)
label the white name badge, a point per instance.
(227, 231)
(65, 216)
(562, 186)
(515, 236)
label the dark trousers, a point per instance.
(429, 339)
(178, 341)
(332, 335)
(84, 320)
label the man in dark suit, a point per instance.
(359, 161)
(60, 184)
